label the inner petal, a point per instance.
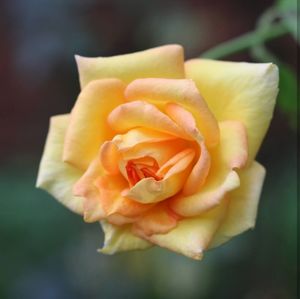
(142, 114)
(166, 167)
(139, 135)
(154, 188)
(109, 157)
(161, 152)
(201, 168)
(138, 169)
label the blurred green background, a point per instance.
(46, 251)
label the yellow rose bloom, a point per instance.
(162, 151)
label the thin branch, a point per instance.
(246, 41)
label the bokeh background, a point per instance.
(46, 252)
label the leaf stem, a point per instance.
(246, 41)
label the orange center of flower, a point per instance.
(138, 169)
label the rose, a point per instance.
(161, 151)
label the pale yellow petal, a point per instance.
(161, 62)
(118, 239)
(192, 236)
(243, 203)
(184, 92)
(54, 175)
(233, 149)
(238, 91)
(88, 127)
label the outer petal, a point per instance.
(193, 235)
(54, 175)
(182, 92)
(161, 62)
(159, 220)
(243, 203)
(238, 91)
(88, 128)
(119, 239)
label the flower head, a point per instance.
(161, 151)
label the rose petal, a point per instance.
(234, 148)
(208, 198)
(88, 128)
(119, 220)
(159, 220)
(160, 151)
(160, 62)
(149, 190)
(183, 92)
(109, 157)
(138, 136)
(230, 154)
(54, 175)
(243, 203)
(111, 189)
(200, 170)
(137, 143)
(102, 194)
(192, 236)
(238, 91)
(142, 114)
(85, 187)
(119, 239)
(167, 169)
(198, 175)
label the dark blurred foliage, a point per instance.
(46, 251)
